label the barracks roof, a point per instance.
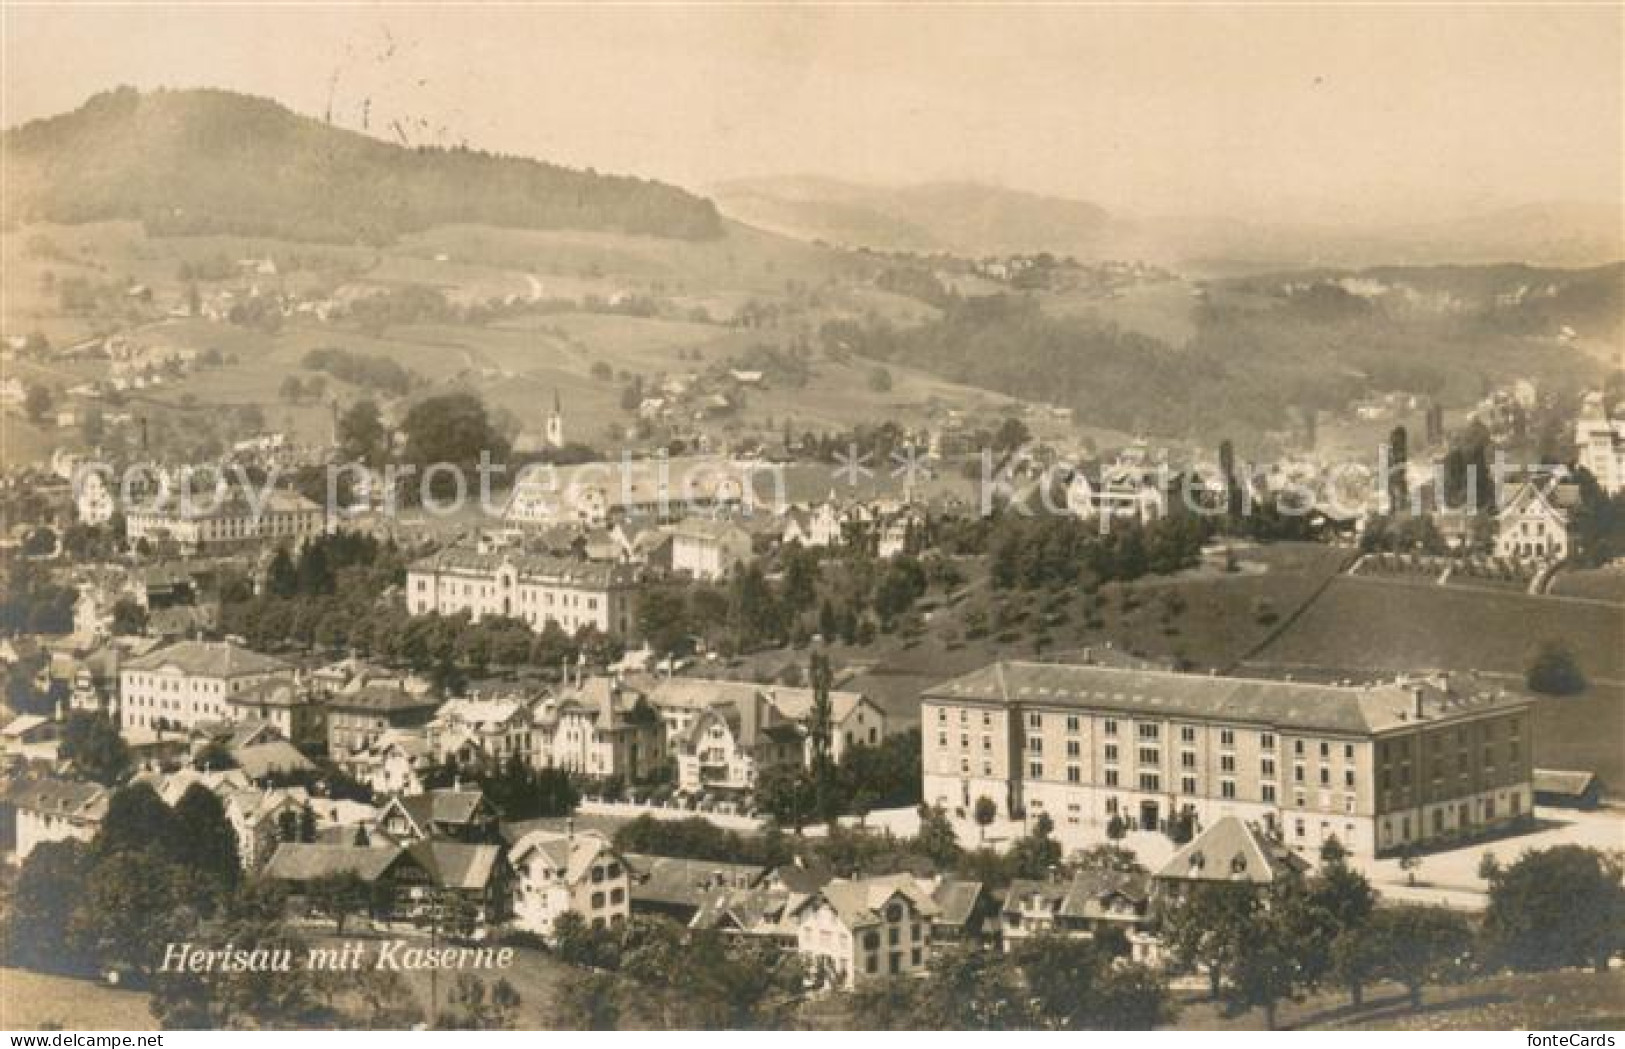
(222, 659)
(542, 567)
(1291, 705)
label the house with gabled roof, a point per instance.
(454, 814)
(190, 682)
(481, 732)
(1084, 906)
(1230, 852)
(860, 930)
(731, 743)
(398, 762)
(568, 872)
(363, 711)
(604, 727)
(1536, 521)
(50, 809)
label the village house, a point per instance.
(602, 727)
(1084, 906)
(708, 549)
(482, 733)
(191, 682)
(49, 809)
(399, 762)
(569, 872)
(777, 730)
(730, 743)
(677, 887)
(453, 814)
(1536, 522)
(360, 713)
(822, 526)
(29, 737)
(1230, 852)
(286, 704)
(858, 931)
(1121, 491)
(1379, 767)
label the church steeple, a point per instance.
(555, 423)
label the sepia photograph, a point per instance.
(817, 517)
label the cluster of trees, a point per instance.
(91, 743)
(1052, 551)
(868, 777)
(656, 973)
(360, 369)
(1556, 908)
(1553, 670)
(151, 874)
(1047, 983)
(30, 603)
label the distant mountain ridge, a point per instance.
(208, 161)
(962, 218)
(972, 220)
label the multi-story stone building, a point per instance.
(1600, 439)
(358, 717)
(1378, 767)
(191, 682)
(532, 588)
(228, 522)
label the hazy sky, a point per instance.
(1351, 113)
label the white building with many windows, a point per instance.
(191, 682)
(533, 588)
(1377, 767)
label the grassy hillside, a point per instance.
(1383, 625)
(217, 162)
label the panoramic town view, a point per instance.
(812, 519)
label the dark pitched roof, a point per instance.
(956, 901)
(307, 861)
(1291, 705)
(454, 865)
(1232, 851)
(223, 659)
(1558, 781)
(59, 797)
(455, 807)
(262, 759)
(685, 882)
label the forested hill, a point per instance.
(201, 161)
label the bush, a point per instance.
(1553, 671)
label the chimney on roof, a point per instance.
(569, 830)
(1416, 702)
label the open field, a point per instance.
(31, 1001)
(1217, 627)
(1598, 584)
(1375, 625)
(1536, 1001)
